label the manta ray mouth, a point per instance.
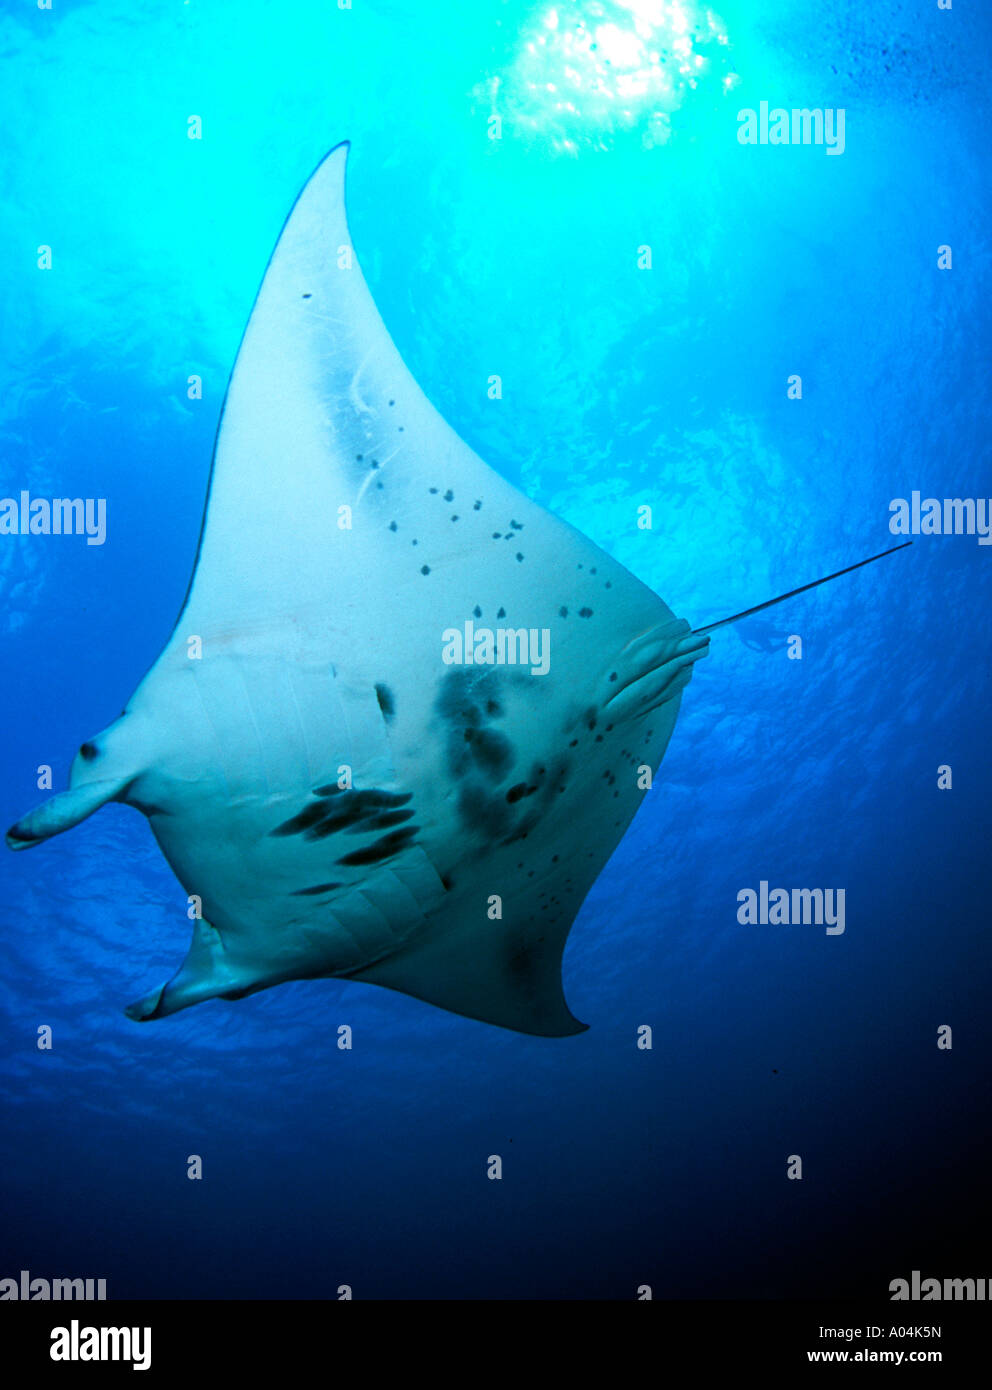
(658, 667)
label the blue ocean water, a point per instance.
(622, 387)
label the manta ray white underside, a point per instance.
(342, 802)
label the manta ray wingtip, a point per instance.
(342, 149)
(18, 838)
(148, 1007)
(63, 811)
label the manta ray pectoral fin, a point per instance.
(206, 973)
(63, 811)
(494, 973)
(102, 771)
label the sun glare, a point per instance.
(587, 68)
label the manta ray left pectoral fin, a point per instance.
(63, 811)
(102, 771)
(206, 973)
(495, 973)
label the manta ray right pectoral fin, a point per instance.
(63, 811)
(492, 973)
(206, 973)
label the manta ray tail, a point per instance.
(770, 603)
(102, 771)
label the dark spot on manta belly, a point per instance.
(383, 822)
(383, 848)
(522, 964)
(386, 702)
(310, 815)
(340, 810)
(480, 810)
(492, 751)
(312, 892)
(466, 700)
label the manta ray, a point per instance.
(337, 799)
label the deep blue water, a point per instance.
(621, 387)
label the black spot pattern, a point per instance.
(493, 751)
(465, 701)
(386, 702)
(382, 849)
(480, 810)
(353, 811)
(480, 756)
